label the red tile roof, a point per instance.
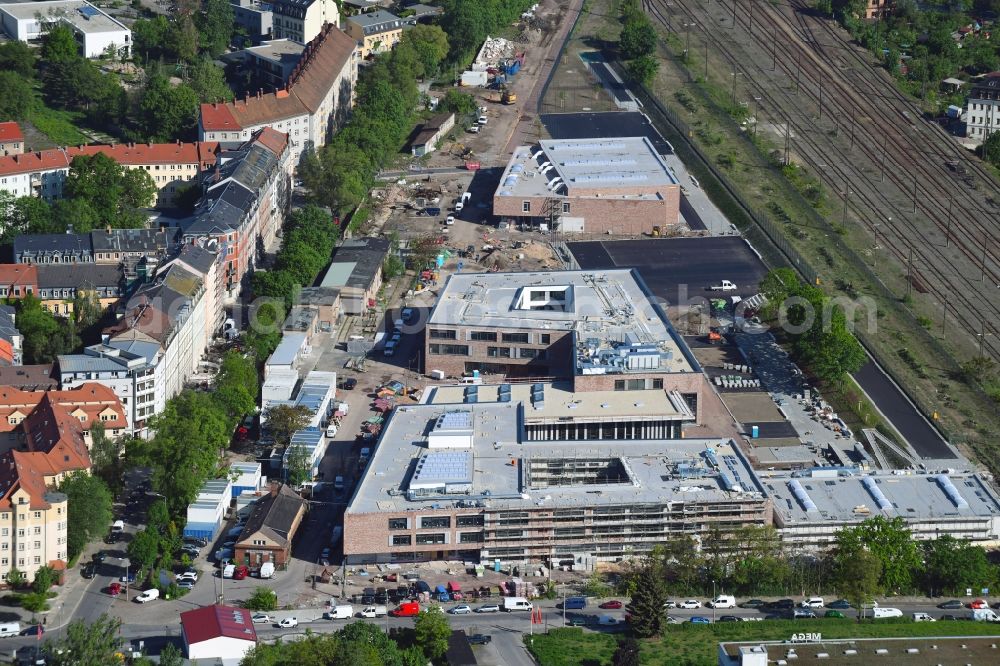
(45, 160)
(10, 131)
(273, 140)
(24, 470)
(204, 624)
(311, 80)
(143, 319)
(201, 153)
(90, 397)
(24, 275)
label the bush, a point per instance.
(262, 599)
(35, 602)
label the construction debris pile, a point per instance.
(495, 50)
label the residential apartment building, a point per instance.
(982, 111)
(618, 185)
(243, 207)
(375, 32)
(315, 102)
(11, 139)
(271, 64)
(18, 280)
(44, 435)
(60, 284)
(207, 265)
(878, 9)
(11, 340)
(256, 18)
(460, 482)
(302, 20)
(170, 165)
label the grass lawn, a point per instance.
(59, 126)
(698, 644)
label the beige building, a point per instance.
(32, 515)
(375, 32)
(301, 20)
(11, 139)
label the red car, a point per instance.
(614, 604)
(241, 572)
(978, 603)
(115, 589)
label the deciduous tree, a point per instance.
(94, 643)
(144, 549)
(45, 335)
(431, 631)
(638, 37)
(285, 420)
(89, 510)
(18, 98)
(892, 543)
(856, 574)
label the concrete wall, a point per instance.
(620, 216)
(556, 362)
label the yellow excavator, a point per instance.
(504, 96)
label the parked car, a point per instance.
(191, 550)
(614, 604)
(460, 610)
(190, 574)
(780, 604)
(948, 616)
(115, 589)
(753, 603)
(670, 604)
(488, 608)
(111, 538)
(480, 639)
(844, 604)
(954, 604)
(33, 630)
(261, 618)
(811, 602)
(730, 618)
(804, 614)
(288, 622)
(148, 595)
(100, 556)
(977, 604)
(349, 384)
(834, 613)
(186, 584)
(87, 571)
(689, 604)
(697, 619)
(128, 578)
(197, 541)
(241, 572)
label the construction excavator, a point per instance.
(504, 95)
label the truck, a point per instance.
(340, 612)
(723, 601)
(575, 603)
(516, 604)
(406, 609)
(725, 285)
(374, 611)
(984, 615)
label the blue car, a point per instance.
(697, 619)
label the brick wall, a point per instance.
(556, 363)
(620, 216)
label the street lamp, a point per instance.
(714, 597)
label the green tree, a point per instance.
(365, 633)
(643, 69)
(59, 45)
(89, 510)
(171, 656)
(262, 599)
(215, 26)
(431, 632)
(458, 102)
(45, 578)
(892, 543)
(18, 99)
(144, 549)
(856, 574)
(208, 80)
(627, 653)
(297, 468)
(236, 385)
(989, 150)
(16, 578)
(17, 58)
(953, 565)
(83, 643)
(285, 420)
(113, 192)
(45, 336)
(150, 37)
(167, 112)
(430, 43)
(638, 38)
(35, 602)
(313, 650)
(646, 606)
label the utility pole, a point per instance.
(750, 29)
(735, 74)
(854, 121)
(706, 59)
(944, 317)
(787, 129)
(734, 15)
(983, 279)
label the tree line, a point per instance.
(879, 556)
(468, 22)
(637, 43)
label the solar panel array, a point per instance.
(444, 466)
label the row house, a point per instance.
(314, 103)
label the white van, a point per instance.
(331, 430)
(341, 612)
(229, 571)
(722, 601)
(516, 604)
(881, 613)
(10, 629)
(374, 611)
(148, 595)
(812, 602)
(923, 617)
(266, 570)
(118, 527)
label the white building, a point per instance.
(133, 369)
(95, 31)
(219, 634)
(302, 20)
(246, 477)
(982, 111)
(206, 513)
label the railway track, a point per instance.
(900, 151)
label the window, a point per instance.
(565, 207)
(435, 521)
(398, 523)
(259, 542)
(508, 534)
(438, 334)
(515, 337)
(483, 336)
(470, 537)
(469, 521)
(546, 338)
(38, 514)
(498, 352)
(401, 540)
(527, 352)
(424, 539)
(38, 530)
(525, 206)
(657, 383)
(450, 350)
(619, 384)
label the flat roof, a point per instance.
(83, 15)
(562, 402)
(559, 167)
(652, 467)
(280, 51)
(619, 327)
(832, 496)
(923, 651)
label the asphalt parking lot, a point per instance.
(606, 124)
(678, 269)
